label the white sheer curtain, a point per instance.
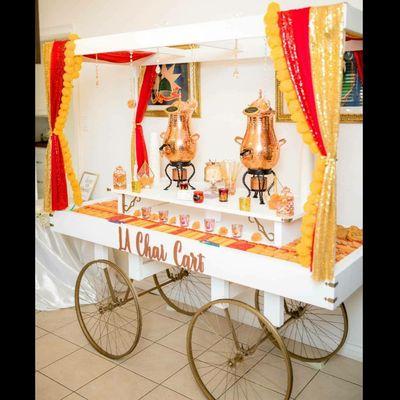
(58, 260)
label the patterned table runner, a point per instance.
(349, 239)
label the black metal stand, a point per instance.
(179, 166)
(262, 187)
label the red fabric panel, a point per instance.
(293, 26)
(358, 57)
(59, 195)
(56, 79)
(119, 56)
(144, 96)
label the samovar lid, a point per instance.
(259, 106)
(180, 106)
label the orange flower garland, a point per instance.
(304, 248)
(72, 66)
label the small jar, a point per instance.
(183, 186)
(119, 178)
(223, 194)
(198, 196)
(285, 208)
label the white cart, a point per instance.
(233, 345)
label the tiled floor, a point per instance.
(69, 368)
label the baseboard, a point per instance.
(352, 351)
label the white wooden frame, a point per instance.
(249, 31)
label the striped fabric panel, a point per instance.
(242, 245)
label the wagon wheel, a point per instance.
(228, 345)
(312, 334)
(108, 309)
(187, 292)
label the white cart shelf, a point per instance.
(230, 207)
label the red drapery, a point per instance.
(59, 196)
(358, 57)
(144, 96)
(58, 186)
(119, 56)
(293, 26)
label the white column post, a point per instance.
(274, 309)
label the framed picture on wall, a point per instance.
(172, 81)
(351, 110)
(87, 184)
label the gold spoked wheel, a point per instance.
(229, 349)
(186, 292)
(311, 333)
(108, 309)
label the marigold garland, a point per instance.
(304, 248)
(72, 67)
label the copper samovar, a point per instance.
(179, 145)
(259, 148)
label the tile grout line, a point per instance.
(302, 390)
(59, 383)
(338, 377)
(48, 365)
(91, 380)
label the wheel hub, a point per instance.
(183, 273)
(110, 306)
(298, 312)
(239, 357)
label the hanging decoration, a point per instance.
(149, 78)
(307, 50)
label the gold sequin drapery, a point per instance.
(47, 48)
(326, 39)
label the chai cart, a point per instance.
(233, 345)
(252, 309)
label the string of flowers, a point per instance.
(304, 248)
(72, 67)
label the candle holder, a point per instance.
(244, 203)
(258, 182)
(146, 212)
(184, 220)
(163, 216)
(179, 173)
(237, 230)
(198, 196)
(209, 224)
(223, 194)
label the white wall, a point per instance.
(102, 137)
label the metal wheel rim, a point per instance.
(312, 357)
(263, 323)
(202, 297)
(82, 323)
